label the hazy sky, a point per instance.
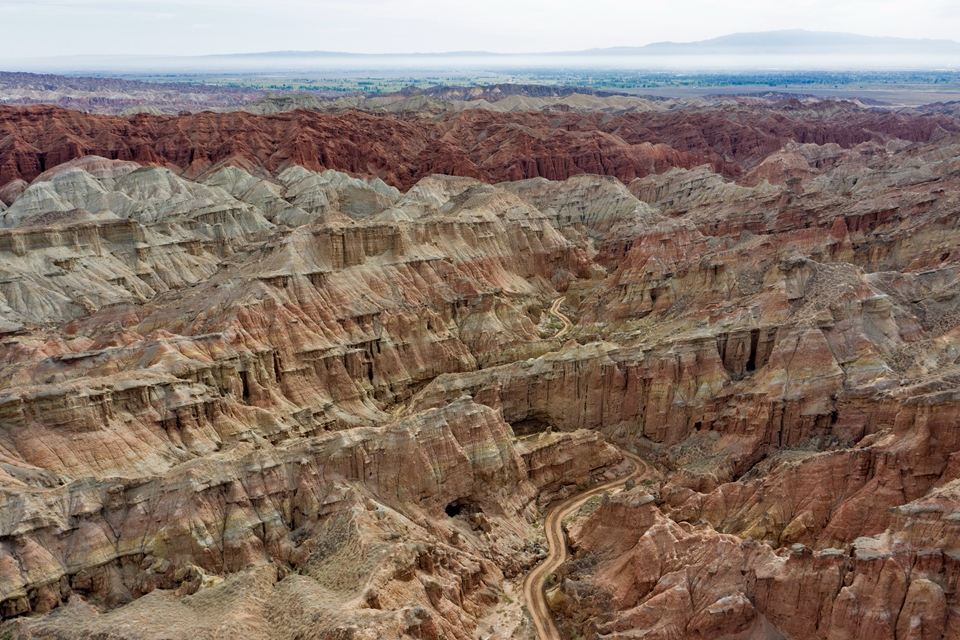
(34, 28)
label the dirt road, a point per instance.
(533, 586)
(555, 310)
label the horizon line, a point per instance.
(467, 53)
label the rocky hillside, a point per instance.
(276, 377)
(405, 147)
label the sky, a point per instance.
(42, 28)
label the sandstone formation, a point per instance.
(304, 375)
(203, 326)
(402, 148)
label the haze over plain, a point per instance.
(132, 32)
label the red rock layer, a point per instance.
(476, 143)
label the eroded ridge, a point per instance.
(252, 400)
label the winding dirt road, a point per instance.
(555, 310)
(533, 586)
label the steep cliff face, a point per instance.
(207, 380)
(123, 537)
(672, 579)
(316, 328)
(778, 355)
(260, 392)
(819, 407)
(402, 148)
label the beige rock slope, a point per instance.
(308, 405)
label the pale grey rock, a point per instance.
(595, 202)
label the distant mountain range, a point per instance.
(796, 48)
(756, 43)
(791, 41)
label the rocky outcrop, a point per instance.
(12, 191)
(105, 530)
(829, 474)
(681, 580)
(233, 379)
(586, 202)
(474, 143)
(202, 338)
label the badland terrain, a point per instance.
(295, 372)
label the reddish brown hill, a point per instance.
(492, 146)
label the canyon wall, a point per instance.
(244, 392)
